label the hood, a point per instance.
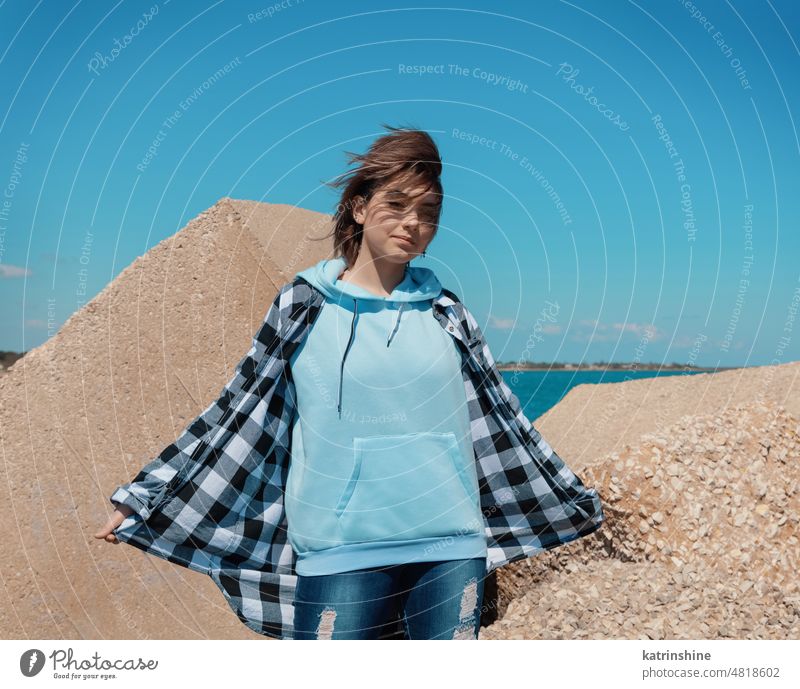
(418, 284)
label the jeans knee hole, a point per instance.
(326, 620)
(464, 632)
(469, 599)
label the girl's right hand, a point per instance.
(121, 513)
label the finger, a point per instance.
(118, 517)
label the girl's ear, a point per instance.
(359, 210)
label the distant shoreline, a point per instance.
(9, 358)
(615, 367)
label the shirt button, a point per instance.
(450, 328)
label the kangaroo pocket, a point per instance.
(408, 487)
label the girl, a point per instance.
(402, 459)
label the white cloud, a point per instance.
(501, 323)
(8, 272)
(595, 331)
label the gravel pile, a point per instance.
(701, 540)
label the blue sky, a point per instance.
(621, 177)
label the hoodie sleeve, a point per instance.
(149, 487)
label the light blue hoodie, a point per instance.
(383, 468)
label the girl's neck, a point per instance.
(374, 279)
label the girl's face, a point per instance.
(399, 222)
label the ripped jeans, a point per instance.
(437, 600)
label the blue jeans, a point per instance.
(437, 600)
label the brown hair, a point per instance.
(405, 154)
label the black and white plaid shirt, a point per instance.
(212, 501)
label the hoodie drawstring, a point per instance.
(344, 356)
(350, 341)
(396, 323)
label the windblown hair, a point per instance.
(405, 155)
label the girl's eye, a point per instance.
(428, 217)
